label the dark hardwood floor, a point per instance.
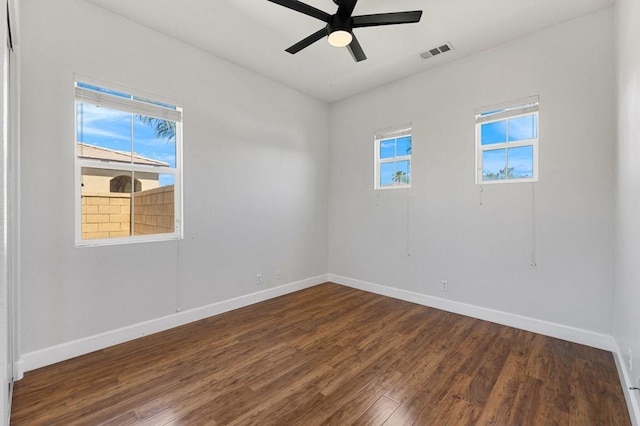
(330, 355)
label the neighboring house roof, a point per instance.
(99, 153)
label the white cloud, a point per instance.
(96, 131)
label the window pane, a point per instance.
(495, 132)
(386, 174)
(401, 173)
(523, 128)
(154, 206)
(103, 133)
(154, 141)
(494, 164)
(520, 162)
(387, 148)
(403, 146)
(106, 202)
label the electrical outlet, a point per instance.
(630, 360)
(278, 276)
(444, 285)
(258, 279)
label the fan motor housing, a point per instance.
(338, 23)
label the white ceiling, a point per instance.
(255, 33)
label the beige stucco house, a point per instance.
(115, 181)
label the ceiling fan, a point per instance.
(339, 28)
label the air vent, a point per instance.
(436, 51)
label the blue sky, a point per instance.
(390, 148)
(512, 130)
(111, 129)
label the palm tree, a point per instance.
(508, 171)
(400, 177)
(490, 176)
(164, 129)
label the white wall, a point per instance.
(5, 348)
(485, 251)
(627, 294)
(257, 183)
(255, 179)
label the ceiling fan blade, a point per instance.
(356, 50)
(303, 8)
(308, 41)
(387, 19)
(346, 8)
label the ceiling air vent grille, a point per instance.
(436, 51)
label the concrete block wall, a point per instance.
(154, 211)
(105, 215)
(109, 215)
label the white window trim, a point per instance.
(391, 133)
(146, 109)
(516, 112)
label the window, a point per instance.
(123, 184)
(127, 167)
(393, 158)
(507, 142)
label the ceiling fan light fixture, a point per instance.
(340, 38)
(339, 26)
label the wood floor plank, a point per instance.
(484, 378)
(329, 355)
(500, 403)
(527, 403)
(454, 408)
(378, 412)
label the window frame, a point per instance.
(387, 134)
(148, 109)
(505, 112)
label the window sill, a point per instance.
(98, 242)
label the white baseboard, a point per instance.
(32, 360)
(564, 332)
(625, 378)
